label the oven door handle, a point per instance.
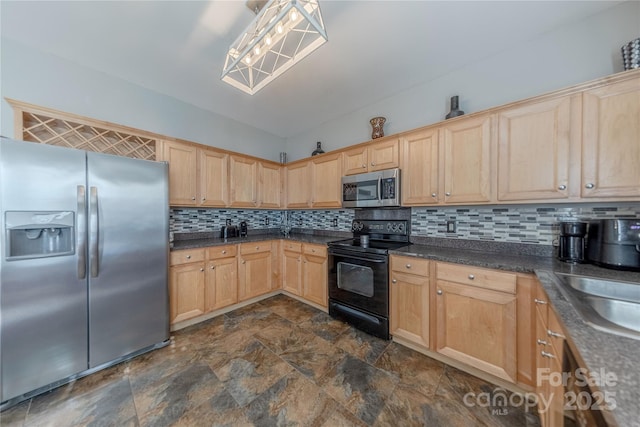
(376, 261)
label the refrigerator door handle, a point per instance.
(93, 231)
(81, 233)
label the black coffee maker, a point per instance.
(571, 243)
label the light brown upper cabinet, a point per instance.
(375, 156)
(466, 160)
(243, 182)
(326, 174)
(183, 172)
(611, 140)
(213, 172)
(534, 143)
(419, 167)
(269, 185)
(298, 184)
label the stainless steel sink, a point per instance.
(608, 305)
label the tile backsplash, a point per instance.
(519, 224)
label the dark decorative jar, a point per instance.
(318, 149)
(455, 111)
(377, 123)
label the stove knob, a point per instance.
(400, 227)
(389, 226)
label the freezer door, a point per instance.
(43, 291)
(127, 252)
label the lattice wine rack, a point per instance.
(56, 128)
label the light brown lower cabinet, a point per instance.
(409, 299)
(255, 270)
(314, 274)
(292, 267)
(476, 318)
(186, 284)
(221, 277)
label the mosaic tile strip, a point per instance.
(521, 224)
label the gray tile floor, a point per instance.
(276, 362)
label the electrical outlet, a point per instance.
(266, 221)
(299, 221)
(451, 227)
(335, 222)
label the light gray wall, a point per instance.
(570, 55)
(43, 79)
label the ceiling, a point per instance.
(375, 48)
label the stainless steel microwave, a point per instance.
(374, 189)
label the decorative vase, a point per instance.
(455, 112)
(377, 123)
(318, 149)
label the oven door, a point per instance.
(360, 280)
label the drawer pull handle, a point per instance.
(257, 247)
(546, 354)
(188, 256)
(539, 301)
(408, 266)
(394, 281)
(589, 186)
(541, 342)
(471, 277)
(439, 291)
(224, 252)
(554, 334)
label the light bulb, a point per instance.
(247, 59)
(293, 15)
(280, 28)
(256, 49)
(267, 39)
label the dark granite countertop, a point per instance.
(595, 349)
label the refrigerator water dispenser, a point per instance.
(38, 234)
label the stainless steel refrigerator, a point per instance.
(83, 271)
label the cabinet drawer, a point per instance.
(316, 250)
(410, 265)
(225, 251)
(476, 276)
(186, 256)
(541, 302)
(292, 246)
(254, 248)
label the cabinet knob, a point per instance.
(244, 262)
(589, 186)
(313, 250)
(408, 265)
(549, 355)
(193, 198)
(224, 252)
(213, 267)
(471, 277)
(364, 166)
(203, 199)
(539, 301)
(202, 269)
(562, 187)
(439, 292)
(188, 256)
(257, 247)
(541, 342)
(554, 334)
(447, 194)
(434, 195)
(373, 163)
(394, 281)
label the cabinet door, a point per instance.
(326, 178)
(292, 271)
(269, 185)
(243, 181)
(611, 140)
(255, 272)
(186, 291)
(355, 160)
(214, 186)
(221, 283)
(409, 315)
(533, 150)
(298, 185)
(315, 278)
(183, 165)
(384, 155)
(419, 164)
(467, 160)
(477, 327)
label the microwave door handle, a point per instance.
(380, 189)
